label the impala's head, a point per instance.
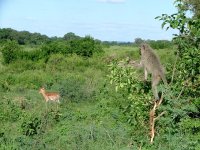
(42, 90)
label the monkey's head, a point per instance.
(143, 47)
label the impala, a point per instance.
(49, 96)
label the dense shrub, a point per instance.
(53, 48)
(31, 126)
(9, 110)
(137, 97)
(85, 47)
(75, 88)
(10, 51)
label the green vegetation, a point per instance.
(92, 115)
(103, 106)
(81, 121)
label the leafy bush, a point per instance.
(10, 52)
(72, 88)
(31, 126)
(9, 110)
(86, 46)
(138, 99)
(57, 62)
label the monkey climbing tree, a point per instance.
(139, 97)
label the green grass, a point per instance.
(120, 52)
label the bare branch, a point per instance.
(152, 118)
(160, 115)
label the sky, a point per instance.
(106, 20)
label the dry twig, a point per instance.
(153, 118)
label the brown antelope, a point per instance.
(49, 96)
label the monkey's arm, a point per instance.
(131, 63)
(136, 64)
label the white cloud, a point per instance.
(112, 1)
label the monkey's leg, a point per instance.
(155, 80)
(145, 74)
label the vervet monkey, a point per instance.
(151, 63)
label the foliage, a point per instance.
(180, 101)
(192, 5)
(77, 88)
(72, 88)
(137, 101)
(22, 37)
(85, 47)
(92, 115)
(160, 44)
(116, 43)
(70, 36)
(31, 126)
(187, 71)
(10, 111)
(188, 47)
(10, 52)
(155, 44)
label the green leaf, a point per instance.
(163, 24)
